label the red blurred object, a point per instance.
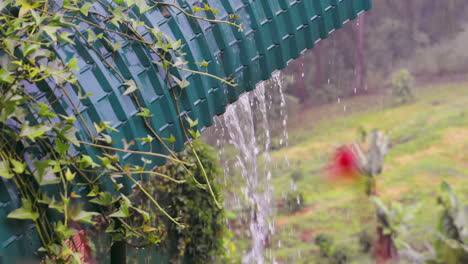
(80, 243)
(344, 166)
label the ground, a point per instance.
(429, 143)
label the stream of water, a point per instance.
(246, 124)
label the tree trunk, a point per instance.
(359, 85)
(318, 67)
(300, 91)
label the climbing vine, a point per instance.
(61, 190)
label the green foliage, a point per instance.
(325, 243)
(402, 86)
(297, 175)
(294, 201)
(202, 236)
(452, 245)
(39, 148)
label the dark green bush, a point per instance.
(201, 239)
(294, 201)
(297, 175)
(402, 86)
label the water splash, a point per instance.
(239, 121)
(283, 111)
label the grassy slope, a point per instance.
(434, 130)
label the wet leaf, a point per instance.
(69, 133)
(171, 139)
(132, 87)
(18, 167)
(73, 64)
(33, 132)
(69, 175)
(5, 170)
(24, 212)
(142, 6)
(181, 83)
(191, 122)
(6, 76)
(145, 112)
(147, 139)
(66, 36)
(105, 199)
(203, 63)
(85, 8)
(85, 217)
(44, 172)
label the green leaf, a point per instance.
(18, 167)
(203, 63)
(65, 36)
(69, 175)
(73, 64)
(146, 215)
(107, 163)
(26, 6)
(145, 112)
(69, 133)
(191, 122)
(146, 161)
(68, 119)
(85, 217)
(132, 87)
(122, 212)
(44, 172)
(58, 206)
(194, 134)
(86, 162)
(61, 147)
(171, 139)
(105, 199)
(51, 31)
(64, 231)
(91, 35)
(142, 6)
(37, 18)
(181, 83)
(33, 132)
(44, 111)
(5, 169)
(85, 7)
(29, 48)
(197, 9)
(24, 212)
(6, 76)
(147, 139)
(116, 46)
(10, 44)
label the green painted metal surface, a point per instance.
(276, 32)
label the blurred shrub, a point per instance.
(365, 242)
(328, 93)
(448, 56)
(402, 86)
(341, 255)
(294, 201)
(332, 253)
(297, 175)
(325, 243)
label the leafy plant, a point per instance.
(39, 148)
(402, 86)
(294, 201)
